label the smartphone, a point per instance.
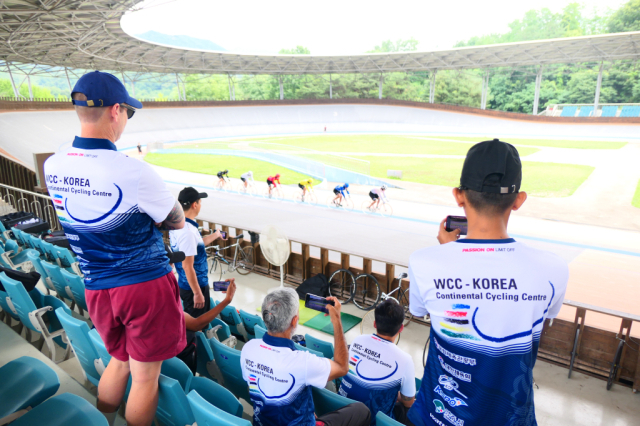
(224, 235)
(456, 222)
(317, 303)
(220, 285)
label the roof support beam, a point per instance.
(13, 83)
(380, 88)
(432, 88)
(485, 88)
(536, 96)
(281, 88)
(598, 85)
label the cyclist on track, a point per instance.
(339, 191)
(305, 185)
(273, 182)
(221, 176)
(376, 194)
(246, 177)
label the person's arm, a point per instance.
(174, 220)
(208, 239)
(192, 278)
(408, 383)
(197, 324)
(340, 361)
(445, 237)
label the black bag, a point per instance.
(11, 219)
(37, 226)
(255, 237)
(58, 241)
(28, 279)
(318, 285)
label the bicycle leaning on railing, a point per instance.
(242, 261)
(366, 326)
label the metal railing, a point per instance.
(16, 199)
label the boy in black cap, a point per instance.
(192, 271)
(488, 297)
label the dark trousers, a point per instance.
(356, 414)
(400, 413)
(187, 299)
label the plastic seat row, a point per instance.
(27, 390)
(62, 256)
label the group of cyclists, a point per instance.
(340, 191)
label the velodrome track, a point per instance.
(604, 262)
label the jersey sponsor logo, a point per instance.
(253, 383)
(452, 356)
(457, 327)
(455, 373)
(449, 384)
(448, 415)
(98, 219)
(487, 249)
(452, 401)
(501, 339)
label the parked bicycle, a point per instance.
(366, 326)
(342, 285)
(384, 208)
(615, 365)
(243, 259)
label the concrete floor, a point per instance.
(579, 401)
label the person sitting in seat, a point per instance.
(381, 375)
(280, 376)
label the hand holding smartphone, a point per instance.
(456, 222)
(220, 285)
(317, 303)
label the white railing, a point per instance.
(15, 199)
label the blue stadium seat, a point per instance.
(20, 237)
(418, 384)
(36, 243)
(326, 401)
(216, 395)
(569, 111)
(230, 316)
(319, 345)
(35, 261)
(260, 331)
(67, 260)
(176, 369)
(609, 111)
(57, 281)
(9, 312)
(585, 111)
(36, 312)
(228, 361)
(207, 414)
(98, 343)
(221, 331)
(75, 283)
(206, 362)
(249, 321)
(78, 335)
(384, 420)
(306, 349)
(630, 111)
(63, 410)
(10, 258)
(173, 406)
(26, 382)
(50, 251)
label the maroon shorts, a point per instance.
(143, 321)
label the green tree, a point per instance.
(298, 50)
(400, 45)
(627, 18)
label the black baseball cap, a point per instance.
(497, 159)
(103, 89)
(190, 195)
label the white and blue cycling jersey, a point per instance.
(189, 241)
(280, 379)
(488, 300)
(108, 205)
(341, 189)
(378, 369)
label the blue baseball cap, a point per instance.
(103, 89)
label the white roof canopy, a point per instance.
(87, 35)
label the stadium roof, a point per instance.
(87, 35)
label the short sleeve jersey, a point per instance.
(247, 176)
(379, 192)
(189, 241)
(107, 204)
(488, 300)
(378, 369)
(279, 378)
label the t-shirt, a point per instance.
(488, 300)
(248, 175)
(108, 205)
(378, 369)
(189, 241)
(279, 378)
(379, 192)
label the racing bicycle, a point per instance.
(243, 259)
(309, 197)
(248, 190)
(224, 184)
(276, 193)
(615, 365)
(384, 208)
(345, 204)
(366, 326)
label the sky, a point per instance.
(334, 27)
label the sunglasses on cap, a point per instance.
(130, 110)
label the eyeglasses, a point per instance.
(130, 110)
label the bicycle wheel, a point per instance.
(347, 203)
(404, 302)
(245, 261)
(386, 210)
(278, 194)
(313, 199)
(615, 366)
(366, 325)
(331, 203)
(215, 268)
(365, 207)
(298, 198)
(367, 292)
(342, 285)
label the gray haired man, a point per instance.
(280, 377)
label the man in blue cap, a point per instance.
(112, 209)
